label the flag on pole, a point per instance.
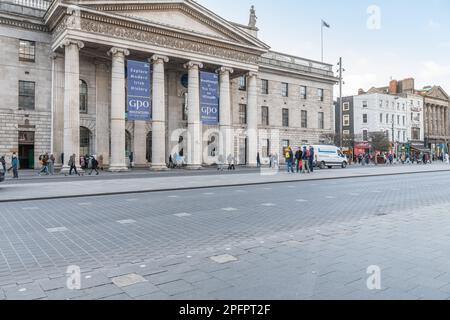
(325, 24)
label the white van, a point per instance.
(329, 156)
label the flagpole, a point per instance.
(321, 37)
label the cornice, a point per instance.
(23, 24)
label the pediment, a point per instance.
(185, 16)
(438, 93)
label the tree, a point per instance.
(330, 138)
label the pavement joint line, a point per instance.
(184, 188)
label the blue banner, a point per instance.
(138, 98)
(209, 98)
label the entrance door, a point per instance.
(26, 150)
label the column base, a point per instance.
(194, 167)
(118, 168)
(158, 167)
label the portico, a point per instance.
(89, 33)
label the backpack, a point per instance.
(288, 155)
(308, 154)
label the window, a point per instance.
(346, 106)
(381, 118)
(27, 50)
(346, 132)
(415, 133)
(303, 94)
(320, 94)
(365, 135)
(265, 116)
(26, 95)
(364, 104)
(265, 86)
(398, 106)
(404, 136)
(284, 89)
(404, 120)
(83, 97)
(364, 118)
(242, 114)
(398, 120)
(285, 144)
(398, 135)
(304, 119)
(393, 119)
(381, 104)
(242, 83)
(321, 121)
(346, 120)
(285, 117)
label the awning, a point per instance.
(420, 148)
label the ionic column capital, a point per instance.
(156, 58)
(252, 74)
(114, 51)
(223, 70)
(69, 42)
(193, 64)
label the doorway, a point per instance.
(242, 151)
(26, 150)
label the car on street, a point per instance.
(329, 157)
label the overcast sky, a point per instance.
(377, 39)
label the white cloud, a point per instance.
(432, 24)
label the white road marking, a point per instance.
(330, 197)
(58, 229)
(85, 204)
(376, 191)
(208, 193)
(127, 221)
(229, 209)
(182, 215)
(301, 200)
(172, 196)
(30, 208)
(268, 204)
(267, 188)
(131, 200)
(22, 289)
(240, 191)
(354, 194)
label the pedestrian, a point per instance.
(72, 165)
(305, 161)
(3, 163)
(131, 157)
(15, 166)
(93, 165)
(230, 160)
(311, 158)
(258, 160)
(289, 156)
(171, 164)
(44, 161)
(270, 161)
(82, 162)
(51, 164)
(298, 158)
(447, 158)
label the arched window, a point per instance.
(83, 97)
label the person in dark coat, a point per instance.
(311, 158)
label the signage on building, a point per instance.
(138, 97)
(209, 98)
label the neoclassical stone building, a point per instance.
(63, 84)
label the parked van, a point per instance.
(329, 156)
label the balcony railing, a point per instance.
(36, 4)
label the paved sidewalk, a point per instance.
(85, 188)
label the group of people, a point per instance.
(14, 165)
(47, 163)
(231, 161)
(302, 160)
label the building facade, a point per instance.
(64, 89)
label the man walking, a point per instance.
(51, 164)
(305, 161)
(298, 158)
(3, 163)
(72, 165)
(230, 161)
(258, 160)
(15, 166)
(93, 165)
(311, 158)
(289, 160)
(44, 162)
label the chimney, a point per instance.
(393, 87)
(360, 92)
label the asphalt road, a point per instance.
(39, 239)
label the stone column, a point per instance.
(425, 120)
(195, 136)
(159, 114)
(429, 120)
(102, 135)
(252, 119)
(446, 128)
(226, 134)
(118, 163)
(442, 121)
(140, 144)
(58, 108)
(435, 122)
(72, 102)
